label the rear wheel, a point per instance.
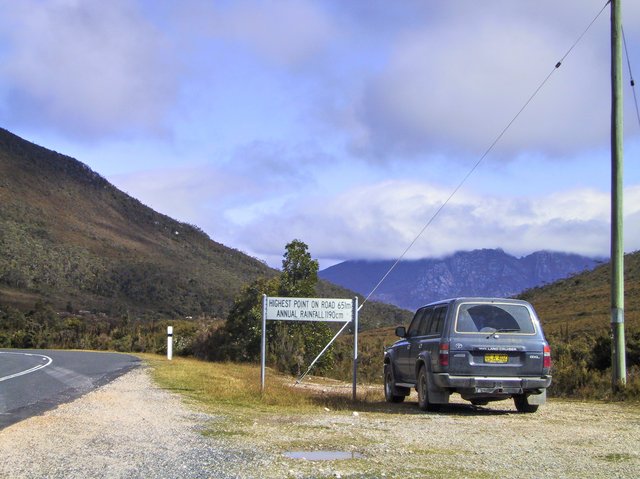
(423, 392)
(390, 386)
(522, 405)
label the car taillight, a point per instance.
(443, 358)
(546, 361)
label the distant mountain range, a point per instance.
(485, 272)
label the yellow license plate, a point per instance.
(496, 358)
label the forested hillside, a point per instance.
(70, 238)
(85, 265)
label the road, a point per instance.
(33, 381)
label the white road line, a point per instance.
(46, 361)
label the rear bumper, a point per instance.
(492, 385)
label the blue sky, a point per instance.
(345, 124)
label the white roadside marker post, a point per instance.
(169, 342)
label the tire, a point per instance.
(389, 386)
(522, 405)
(422, 387)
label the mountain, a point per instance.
(69, 237)
(486, 272)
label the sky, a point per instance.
(345, 124)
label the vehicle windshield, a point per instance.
(489, 318)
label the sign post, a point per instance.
(355, 346)
(310, 309)
(263, 347)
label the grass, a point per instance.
(617, 457)
(278, 420)
(229, 387)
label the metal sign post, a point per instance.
(309, 309)
(355, 346)
(263, 346)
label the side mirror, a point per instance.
(401, 331)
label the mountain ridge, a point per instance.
(482, 272)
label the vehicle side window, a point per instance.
(425, 322)
(437, 324)
(414, 327)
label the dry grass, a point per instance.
(233, 387)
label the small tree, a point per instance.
(299, 272)
(241, 336)
(295, 344)
(291, 344)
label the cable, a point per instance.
(633, 83)
(488, 150)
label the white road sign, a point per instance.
(309, 309)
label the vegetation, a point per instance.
(71, 240)
(291, 344)
(238, 384)
(84, 265)
(575, 313)
(68, 235)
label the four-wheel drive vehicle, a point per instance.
(485, 349)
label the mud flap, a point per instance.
(537, 398)
(436, 394)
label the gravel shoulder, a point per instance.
(128, 428)
(131, 428)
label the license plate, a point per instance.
(496, 358)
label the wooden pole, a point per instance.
(619, 373)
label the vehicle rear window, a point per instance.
(487, 318)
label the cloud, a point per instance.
(452, 86)
(86, 69)
(277, 164)
(381, 220)
(286, 32)
(194, 194)
(259, 178)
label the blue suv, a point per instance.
(485, 349)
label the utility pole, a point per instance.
(619, 370)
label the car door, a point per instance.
(405, 361)
(431, 340)
(418, 343)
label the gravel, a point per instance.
(130, 428)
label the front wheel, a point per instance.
(390, 387)
(423, 392)
(522, 405)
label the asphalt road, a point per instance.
(33, 381)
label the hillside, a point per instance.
(486, 272)
(69, 237)
(581, 304)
